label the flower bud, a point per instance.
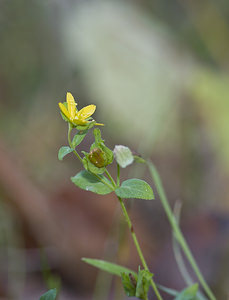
(97, 157)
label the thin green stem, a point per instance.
(111, 178)
(69, 134)
(77, 155)
(167, 290)
(177, 250)
(118, 174)
(156, 291)
(70, 142)
(178, 234)
(178, 253)
(103, 181)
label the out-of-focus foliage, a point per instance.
(211, 92)
(12, 258)
(33, 77)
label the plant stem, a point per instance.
(111, 178)
(178, 254)
(118, 174)
(70, 142)
(103, 181)
(178, 234)
(177, 250)
(157, 293)
(167, 290)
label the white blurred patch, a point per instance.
(132, 69)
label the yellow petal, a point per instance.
(80, 122)
(64, 110)
(71, 105)
(99, 124)
(86, 112)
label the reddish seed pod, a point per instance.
(97, 157)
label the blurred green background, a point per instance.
(158, 73)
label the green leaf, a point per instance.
(108, 152)
(188, 293)
(135, 188)
(108, 267)
(139, 159)
(63, 151)
(90, 182)
(99, 143)
(123, 156)
(85, 127)
(129, 283)
(143, 284)
(78, 138)
(50, 295)
(97, 135)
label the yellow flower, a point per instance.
(75, 117)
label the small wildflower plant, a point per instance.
(96, 178)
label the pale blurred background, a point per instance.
(158, 73)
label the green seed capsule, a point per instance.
(97, 157)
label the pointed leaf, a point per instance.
(108, 267)
(63, 151)
(139, 159)
(143, 284)
(129, 283)
(97, 135)
(86, 126)
(188, 293)
(108, 152)
(135, 188)
(50, 295)
(90, 182)
(78, 138)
